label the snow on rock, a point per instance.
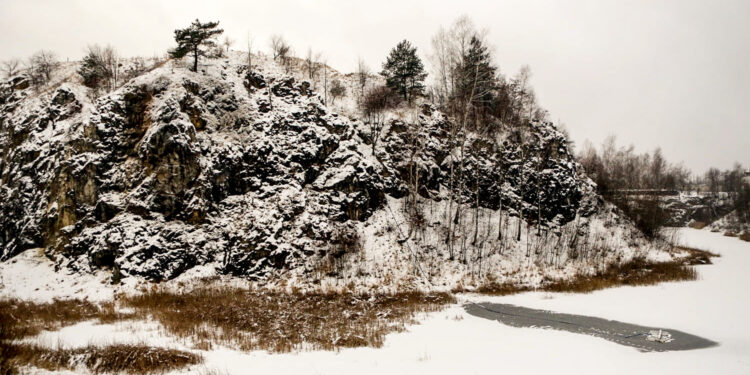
(248, 172)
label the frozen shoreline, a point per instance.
(453, 341)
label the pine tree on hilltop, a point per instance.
(196, 40)
(404, 72)
(476, 75)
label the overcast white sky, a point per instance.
(674, 74)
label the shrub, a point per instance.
(377, 100)
(374, 105)
(337, 90)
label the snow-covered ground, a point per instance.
(451, 341)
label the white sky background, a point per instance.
(674, 74)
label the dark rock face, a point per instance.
(537, 172)
(166, 174)
(246, 173)
(682, 209)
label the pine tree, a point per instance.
(404, 72)
(92, 70)
(99, 68)
(196, 40)
(476, 75)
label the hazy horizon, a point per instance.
(674, 74)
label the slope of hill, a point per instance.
(248, 173)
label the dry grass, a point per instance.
(245, 319)
(495, 288)
(19, 319)
(132, 359)
(697, 224)
(745, 236)
(696, 256)
(266, 320)
(282, 322)
(634, 272)
(729, 233)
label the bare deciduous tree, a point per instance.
(363, 74)
(312, 65)
(250, 42)
(374, 105)
(11, 67)
(279, 47)
(227, 42)
(41, 65)
(324, 63)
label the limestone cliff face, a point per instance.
(247, 170)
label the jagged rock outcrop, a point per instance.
(531, 169)
(247, 171)
(170, 172)
(683, 208)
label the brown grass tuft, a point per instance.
(19, 319)
(132, 359)
(498, 289)
(697, 224)
(634, 272)
(282, 322)
(745, 236)
(696, 256)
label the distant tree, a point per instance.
(476, 75)
(197, 40)
(324, 63)
(449, 47)
(282, 51)
(11, 67)
(227, 42)
(375, 103)
(742, 204)
(136, 68)
(404, 72)
(337, 90)
(658, 165)
(250, 42)
(100, 68)
(522, 96)
(279, 47)
(312, 65)
(363, 74)
(92, 69)
(41, 65)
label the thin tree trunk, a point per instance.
(195, 59)
(476, 211)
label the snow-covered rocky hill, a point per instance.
(686, 208)
(248, 173)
